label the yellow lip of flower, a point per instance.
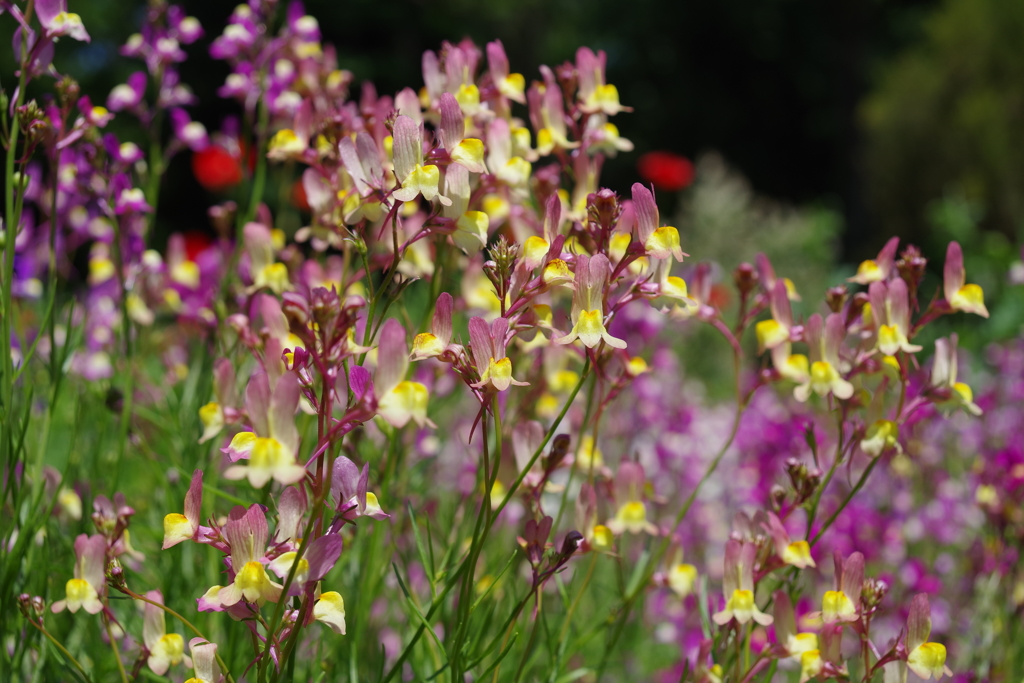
(80, 593)
(557, 272)
(499, 373)
(799, 643)
(545, 141)
(795, 368)
(471, 231)
(470, 153)
(632, 512)
(407, 401)
(468, 97)
(282, 565)
(927, 660)
(826, 379)
(881, 435)
(590, 328)
(426, 345)
(603, 537)
(100, 270)
(422, 180)
(891, 339)
(589, 455)
(254, 583)
(274, 276)
(606, 98)
(330, 609)
(170, 647)
(177, 528)
(964, 391)
(970, 299)
(836, 606)
(770, 333)
(242, 443)
(867, 272)
(515, 172)
(811, 665)
(636, 366)
(284, 144)
(681, 579)
(535, 249)
(674, 287)
(798, 554)
(512, 86)
(663, 243)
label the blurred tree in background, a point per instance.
(948, 119)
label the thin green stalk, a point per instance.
(188, 624)
(63, 650)
(117, 652)
(846, 501)
(629, 599)
(11, 226)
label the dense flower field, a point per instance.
(444, 431)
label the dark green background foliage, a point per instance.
(901, 117)
(773, 85)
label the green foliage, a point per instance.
(948, 116)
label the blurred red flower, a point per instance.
(196, 243)
(298, 197)
(667, 170)
(216, 169)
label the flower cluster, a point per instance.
(461, 280)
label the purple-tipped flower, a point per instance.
(191, 133)
(824, 345)
(350, 489)
(959, 295)
(588, 324)
(434, 343)
(400, 400)
(738, 586)
(842, 603)
(488, 346)
(661, 242)
(88, 587)
(415, 177)
(128, 95)
(186, 527)
(165, 649)
(246, 534)
(58, 22)
(924, 658)
(877, 269)
(890, 312)
(272, 446)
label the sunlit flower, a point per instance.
(738, 586)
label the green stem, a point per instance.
(630, 598)
(188, 624)
(117, 652)
(846, 501)
(63, 650)
(11, 226)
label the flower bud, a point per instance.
(777, 496)
(873, 592)
(296, 311)
(603, 209)
(746, 278)
(24, 605)
(115, 574)
(911, 266)
(835, 297)
(559, 448)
